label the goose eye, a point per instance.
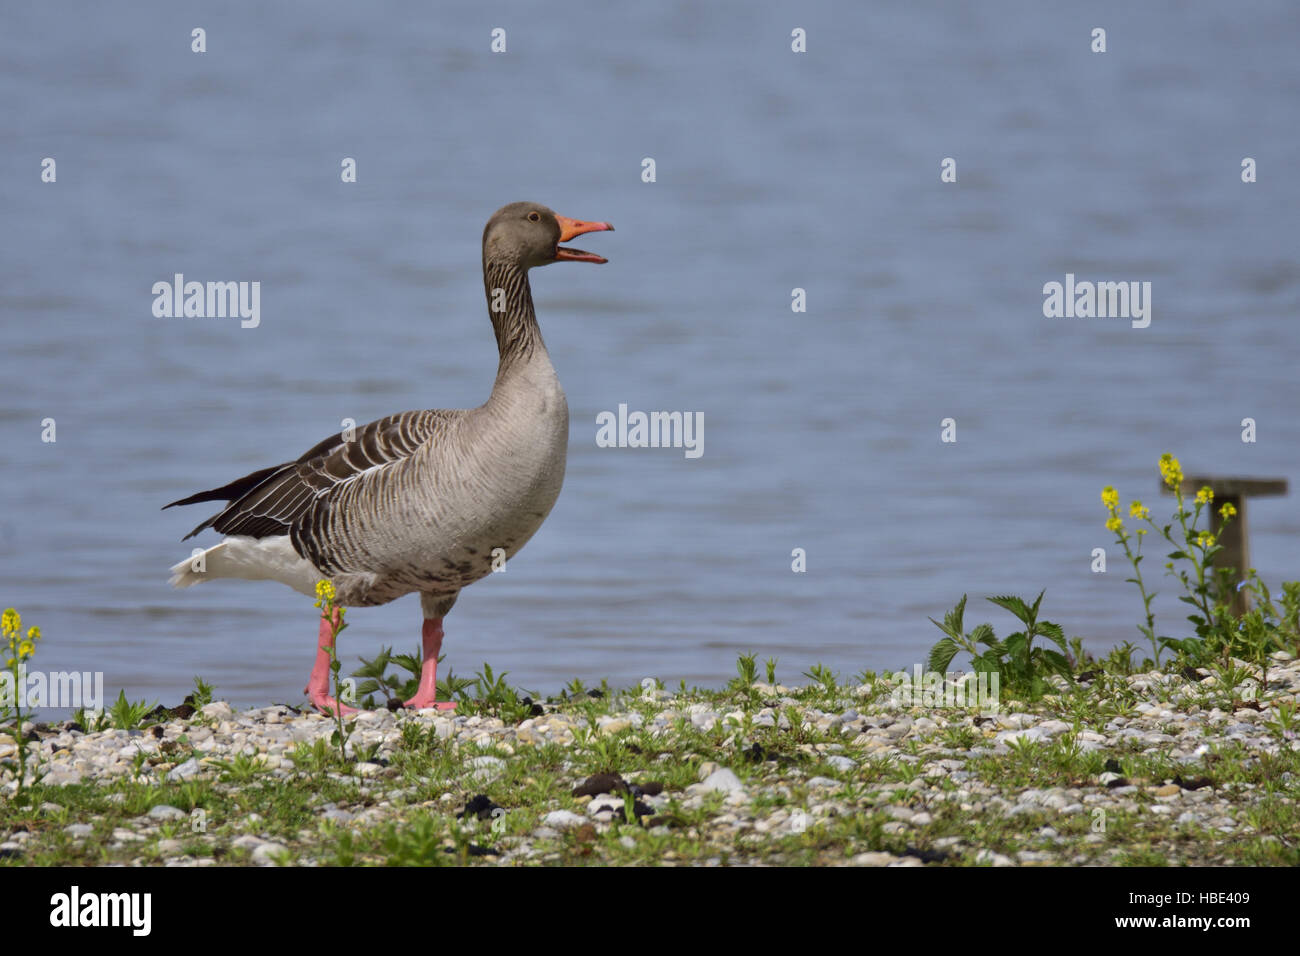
(534, 217)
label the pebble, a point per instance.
(722, 781)
(265, 853)
(563, 819)
(189, 768)
(217, 709)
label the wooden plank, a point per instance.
(1227, 486)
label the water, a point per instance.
(774, 171)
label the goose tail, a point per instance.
(252, 559)
(197, 567)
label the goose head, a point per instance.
(528, 234)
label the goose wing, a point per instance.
(274, 501)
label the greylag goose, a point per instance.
(421, 501)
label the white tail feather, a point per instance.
(250, 559)
(184, 574)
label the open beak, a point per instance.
(574, 227)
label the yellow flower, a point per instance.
(1141, 531)
(1227, 511)
(1205, 539)
(10, 621)
(324, 591)
(33, 633)
(1114, 523)
(1205, 496)
(1138, 510)
(1109, 497)
(26, 649)
(1171, 470)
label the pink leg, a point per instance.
(318, 686)
(427, 694)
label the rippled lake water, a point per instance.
(774, 171)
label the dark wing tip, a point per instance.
(236, 489)
(191, 500)
(203, 527)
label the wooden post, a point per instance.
(1235, 540)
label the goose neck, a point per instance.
(510, 306)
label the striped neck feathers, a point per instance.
(510, 306)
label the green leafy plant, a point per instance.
(240, 768)
(823, 676)
(492, 695)
(367, 753)
(202, 695)
(1022, 667)
(91, 721)
(747, 673)
(452, 687)
(1267, 629)
(1228, 676)
(1119, 660)
(314, 757)
(419, 842)
(126, 714)
(1284, 722)
(629, 808)
(1287, 617)
(492, 688)
(375, 677)
(607, 753)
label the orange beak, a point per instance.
(575, 227)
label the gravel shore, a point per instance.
(1153, 768)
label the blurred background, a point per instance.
(775, 170)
